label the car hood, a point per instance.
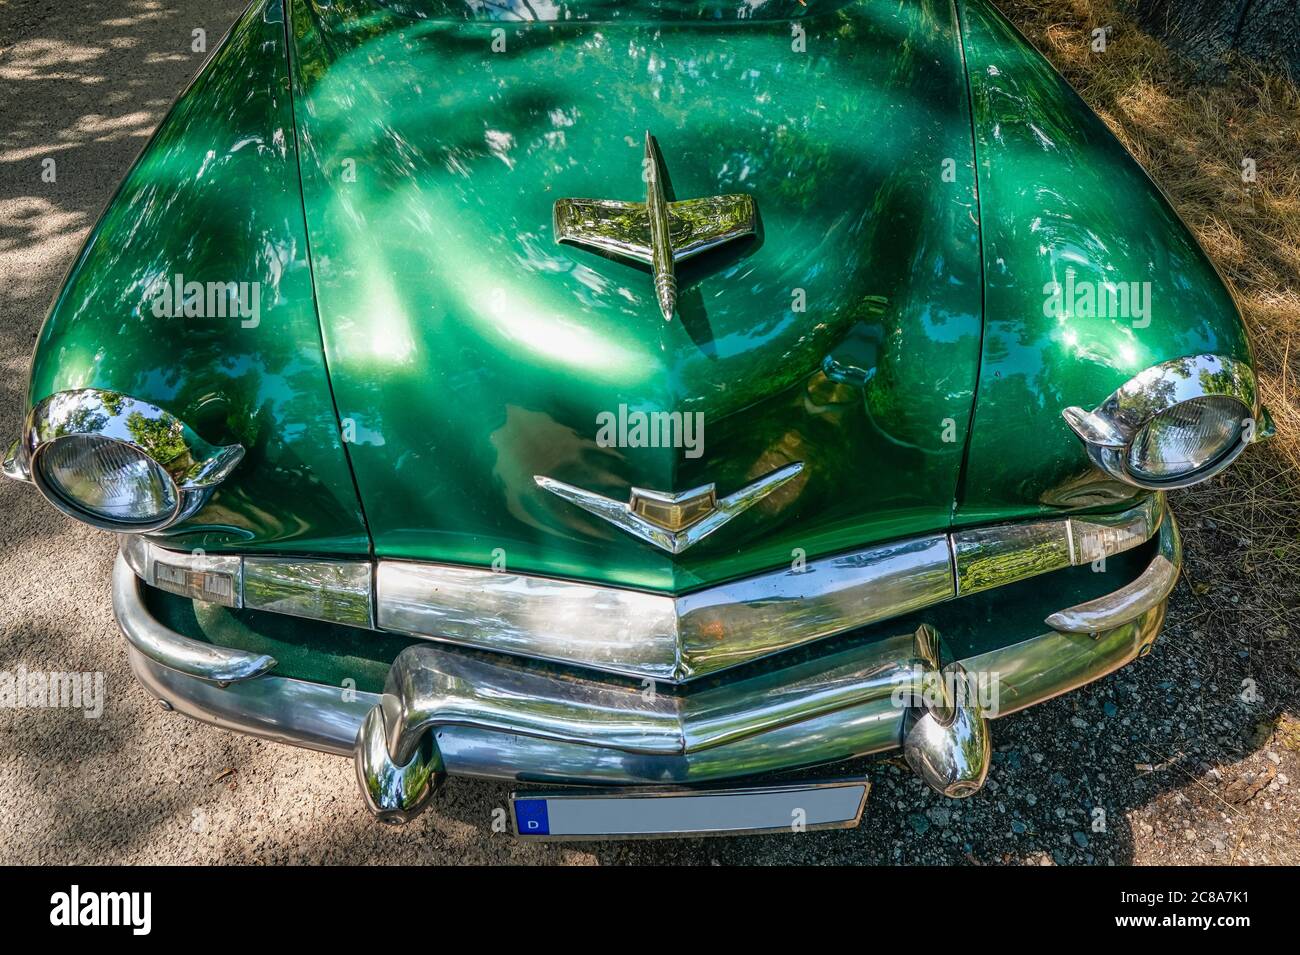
(469, 353)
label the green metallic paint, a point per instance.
(1059, 193)
(471, 352)
(215, 197)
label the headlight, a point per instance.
(118, 463)
(108, 479)
(1188, 438)
(1175, 424)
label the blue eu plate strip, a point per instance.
(530, 817)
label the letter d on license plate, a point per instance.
(647, 813)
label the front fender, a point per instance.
(215, 198)
(1066, 212)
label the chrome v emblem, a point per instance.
(656, 232)
(672, 522)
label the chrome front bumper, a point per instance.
(449, 711)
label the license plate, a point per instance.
(642, 813)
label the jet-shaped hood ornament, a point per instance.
(656, 232)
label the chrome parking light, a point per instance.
(215, 578)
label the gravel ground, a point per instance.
(1160, 763)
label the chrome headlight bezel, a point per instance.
(193, 467)
(1109, 430)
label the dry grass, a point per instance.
(1192, 137)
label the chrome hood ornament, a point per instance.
(656, 232)
(672, 522)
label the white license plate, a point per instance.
(641, 813)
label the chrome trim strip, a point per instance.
(1109, 429)
(988, 557)
(194, 466)
(1152, 587)
(337, 591)
(682, 638)
(747, 619)
(656, 636)
(174, 650)
(600, 627)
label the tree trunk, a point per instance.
(1207, 30)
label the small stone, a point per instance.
(1018, 827)
(1081, 840)
(919, 823)
(939, 816)
(1109, 708)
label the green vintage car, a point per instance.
(641, 400)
